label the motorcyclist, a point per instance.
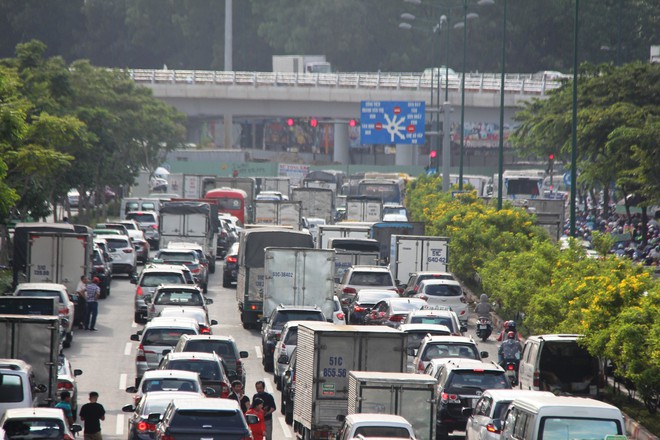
(510, 350)
(483, 308)
(509, 326)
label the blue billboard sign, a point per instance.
(392, 122)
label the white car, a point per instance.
(65, 304)
(37, 423)
(287, 343)
(448, 293)
(122, 252)
(134, 230)
(166, 380)
(338, 316)
(446, 347)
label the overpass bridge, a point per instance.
(220, 98)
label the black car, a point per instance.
(102, 269)
(187, 419)
(230, 272)
(360, 305)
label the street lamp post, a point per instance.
(574, 121)
(500, 158)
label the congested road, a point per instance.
(107, 357)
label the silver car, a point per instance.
(151, 277)
(158, 336)
(176, 295)
(120, 249)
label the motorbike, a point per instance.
(484, 328)
(511, 371)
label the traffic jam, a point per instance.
(262, 310)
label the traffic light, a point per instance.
(551, 162)
(290, 122)
(352, 123)
(313, 122)
(433, 159)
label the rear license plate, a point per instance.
(483, 326)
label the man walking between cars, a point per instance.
(91, 414)
(92, 295)
(238, 394)
(268, 408)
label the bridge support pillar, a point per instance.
(341, 153)
(229, 125)
(405, 155)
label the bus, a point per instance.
(251, 261)
(388, 190)
(230, 200)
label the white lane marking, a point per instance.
(258, 350)
(269, 384)
(120, 424)
(285, 428)
(122, 381)
(127, 349)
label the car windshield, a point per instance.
(414, 339)
(207, 419)
(442, 290)
(156, 405)
(298, 315)
(169, 385)
(176, 256)
(372, 298)
(466, 381)
(33, 429)
(291, 337)
(141, 218)
(184, 298)
(117, 243)
(371, 279)
(164, 336)
(431, 319)
(208, 370)
(450, 350)
(406, 306)
(156, 279)
(48, 293)
(223, 349)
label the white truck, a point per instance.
(364, 209)
(414, 253)
(409, 395)
(52, 253)
(35, 340)
(301, 64)
(299, 277)
(342, 230)
(190, 221)
(279, 184)
(278, 212)
(353, 252)
(316, 202)
(326, 353)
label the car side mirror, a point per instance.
(340, 417)
(77, 372)
(128, 408)
(214, 322)
(135, 337)
(132, 390)
(208, 301)
(467, 412)
(411, 352)
(251, 419)
(263, 320)
(133, 279)
(484, 354)
(40, 388)
(243, 354)
(166, 352)
(75, 428)
(464, 328)
(283, 359)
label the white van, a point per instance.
(130, 204)
(561, 418)
(558, 363)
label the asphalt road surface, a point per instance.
(107, 357)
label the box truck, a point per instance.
(316, 202)
(342, 230)
(364, 209)
(278, 212)
(415, 253)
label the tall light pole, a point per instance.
(500, 157)
(574, 120)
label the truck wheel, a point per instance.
(138, 318)
(288, 414)
(212, 266)
(282, 404)
(268, 366)
(67, 340)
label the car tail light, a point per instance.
(204, 330)
(64, 311)
(225, 390)
(420, 367)
(67, 437)
(359, 309)
(239, 367)
(416, 288)
(138, 292)
(283, 349)
(349, 290)
(145, 426)
(140, 357)
(511, 367)
(399, 290)
(231, 260)
(397, 318)
(536, 379)
(450, 398)
(64, 385)
(128, 251)
(340, 315)
(167, 437)
(491, 428)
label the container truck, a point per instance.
(364, 209)
(342, 230)
(299, 277)
(52, 253)
(251, 263)
(278, 212)
(196, 221)
(383, 231)
(415, 253)
(316, 202)
(409, 395)
(35, 340)
(326, 353)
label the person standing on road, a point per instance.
(238, 395)
(65, 405)
(92, 295)
(81, 302)
(91, 414)
(258, 429)
(268, 408)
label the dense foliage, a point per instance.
(612, 301)
(354, 35)
(73, 126)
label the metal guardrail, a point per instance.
(482, 83)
